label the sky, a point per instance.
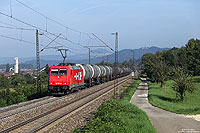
(140, 23)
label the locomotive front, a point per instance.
(64, 78)
(58, 79)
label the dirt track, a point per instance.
(163, 121)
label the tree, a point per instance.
(160, 72)
(15, 79)
(4, 82)
(182, 58)
(182, 83)
(155, 67)
(7, 67)
(170, 56)
(148, 61)
(126, 64)
(193, 56)
(104, 63)
(47, 69)
(29, 79)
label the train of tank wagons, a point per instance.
(67, 77)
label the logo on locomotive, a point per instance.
(78, 76)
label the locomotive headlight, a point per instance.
(52, 83)
(64, 83)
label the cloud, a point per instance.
(91, 8)
(72, 11)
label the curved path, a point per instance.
(163, 121)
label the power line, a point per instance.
(17, 39)
(8, 24)
(47, 18)
(16, 28)
(39, 28)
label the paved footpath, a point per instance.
(163, 121)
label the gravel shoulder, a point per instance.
(163, 121)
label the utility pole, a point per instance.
(38, 82)
(89, 50)
(89, 56)
(38, 63)
(133, 66)
(107, 57)
(116, 64)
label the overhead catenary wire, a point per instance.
(45, 30)
(7, 24)
(50, 18)
(47, 18)
(40, 29)
(15, 28)
(16, 39)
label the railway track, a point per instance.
(16, 106)
(27, 106)
(23, 107)
(42, 120)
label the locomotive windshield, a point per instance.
(63, 72)
(58, 71)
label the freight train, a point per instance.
(67, 77)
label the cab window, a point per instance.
(54, 71)
(63, 72)
(58, 71)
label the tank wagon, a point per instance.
(67, 77)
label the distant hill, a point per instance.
(124, 55)
(100, 54)
(80, 56)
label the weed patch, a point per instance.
(119, 116)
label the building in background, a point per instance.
(16, 65)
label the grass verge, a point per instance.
(119, 116)
(165, 98)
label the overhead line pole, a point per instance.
(116, 64)
(38, 62)
(133, 66)
(89, 50)
(38, 59)
(89, 56)
(116, 60)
